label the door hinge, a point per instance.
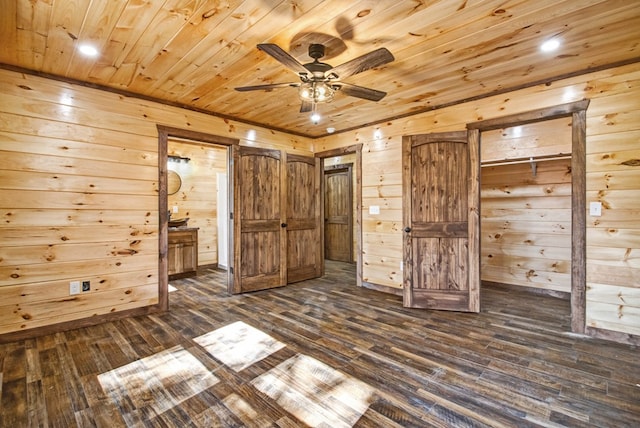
(230, 269)
(230, 216)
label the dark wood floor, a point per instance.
(322, 353)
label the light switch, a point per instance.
(595, 209)
(175, 209)
(374, 209)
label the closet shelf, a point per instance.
(525, 160)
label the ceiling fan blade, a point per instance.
(306, 107)
(360, 92)
(283, 57)
(362, 63)
(266, 87)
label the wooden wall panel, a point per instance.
(79, 197)
(72, 127)
(197, 197)
(548, 138)
(537, 253)
(613, 128)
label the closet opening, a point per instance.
(525, 215)
(533, 202)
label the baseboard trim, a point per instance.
(533, 290)
(614, 336)
(75, 324)
(382, 288)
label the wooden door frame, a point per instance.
(349, 168)
(164, 133)
(357, 149)
(578, 113)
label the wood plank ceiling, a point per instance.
(194, 52)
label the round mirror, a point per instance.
(173, 182)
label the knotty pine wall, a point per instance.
(613, 177)
(197, 197)
(526, 225)
(79, 196)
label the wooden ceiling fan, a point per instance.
(318, 80)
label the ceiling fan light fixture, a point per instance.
(316, 92)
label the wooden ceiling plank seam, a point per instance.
(246, 11)
(480, 37)
(9, 32)
(240, 77)
(237, 76)
(166, 22)
(236, 61)
(186, 44)
(479, 33)
(65, 25)
(131, 25)
(96, 30)
(446, 75)
(31, 31)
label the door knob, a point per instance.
(407, 229)
(283, 225)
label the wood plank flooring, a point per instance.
(322, 353)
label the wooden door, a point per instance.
(304, 251)
(441, 205)
(259, 235)
(338, 214)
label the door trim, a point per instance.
(164, 132)
(578, 113)
(357, 149)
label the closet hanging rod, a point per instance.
(525, 160)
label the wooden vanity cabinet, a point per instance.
(182, 252)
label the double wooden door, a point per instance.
(276, 218)
(441, 206)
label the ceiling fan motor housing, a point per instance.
(316, 50)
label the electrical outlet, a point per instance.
(86, 286)
(74, 287)
(175, 209)
(374, 209)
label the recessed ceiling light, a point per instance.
(331, 130)
(88, 50)
(550, 45)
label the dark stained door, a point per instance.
(260, 238)
(304, 253)
(338, 214)
(441, 205)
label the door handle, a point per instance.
(283, 225)
(407, 229)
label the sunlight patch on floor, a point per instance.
(239, 345)
(315, 393)
(172, 288)
(148, 387)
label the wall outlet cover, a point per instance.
(74, 287)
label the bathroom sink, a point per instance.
(178, 222)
